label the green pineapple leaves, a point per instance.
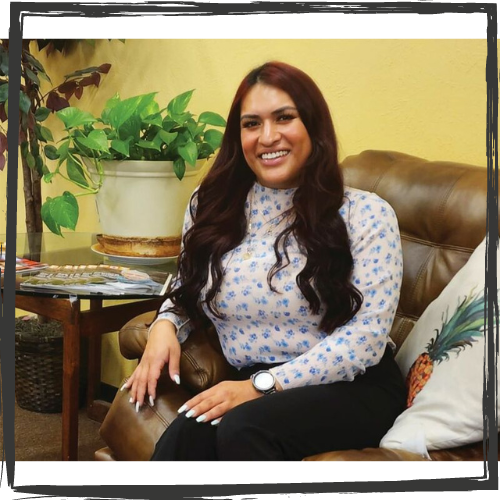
(461, 330)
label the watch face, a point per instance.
(264, 381)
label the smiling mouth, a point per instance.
(273, 155)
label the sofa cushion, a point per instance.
(441, 208)
(443, 361)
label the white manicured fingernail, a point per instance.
(201, 418)
(151, 401)
(182, 408)
(190, 413)
(137, 406)
(131, 400)
(177, 379)
(215, 422)
(124, 386)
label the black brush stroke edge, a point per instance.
(9, 280)
(490, 395)
(76, 9)
(21, 9)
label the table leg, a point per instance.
(71, 375)
(94, 359)
(96, 409)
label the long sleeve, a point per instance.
(377, 274)
(182, 323)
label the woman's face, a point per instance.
(275, 142)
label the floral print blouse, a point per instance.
(262, 326)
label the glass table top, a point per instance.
(78, 249)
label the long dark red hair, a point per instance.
(220, 223)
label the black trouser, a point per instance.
(295, 423)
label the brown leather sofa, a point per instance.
(441, 208)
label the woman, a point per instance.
(301, 278)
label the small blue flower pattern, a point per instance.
(262, 326)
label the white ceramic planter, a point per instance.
(144, 199)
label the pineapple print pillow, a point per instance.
(443, 362)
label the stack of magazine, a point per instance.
(100, 279)
(22, 265)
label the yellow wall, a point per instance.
(421, 97)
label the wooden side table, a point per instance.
(92, 324)
(78, 323)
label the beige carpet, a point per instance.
(38, 436)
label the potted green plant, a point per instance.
(113, 155)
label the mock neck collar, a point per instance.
(268, 201)
(261, 190)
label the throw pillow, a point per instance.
(443, 362)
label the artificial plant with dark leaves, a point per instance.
(35, 107)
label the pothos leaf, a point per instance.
(189, 152)
(47, 217)
(64, 211)
(179, 168)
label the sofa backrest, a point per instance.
(441, 210)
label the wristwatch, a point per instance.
(264, 381)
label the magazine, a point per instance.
(22, 265)
(100, 279)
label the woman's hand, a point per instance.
(212, 404)
(162, 347)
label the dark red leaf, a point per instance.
(2, 162)
(56, 102)
(85, 82)
(42, 43)
(93, 79)
(3, 114)
(78, 92)
(97, 79)
(60, 45)
(104, 68)
(50, 48)
(3, 143)
(67, 87)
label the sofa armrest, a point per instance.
(367, 455)
(202, 362)
(132, 435)
(133, 335)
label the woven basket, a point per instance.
(39, 368)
